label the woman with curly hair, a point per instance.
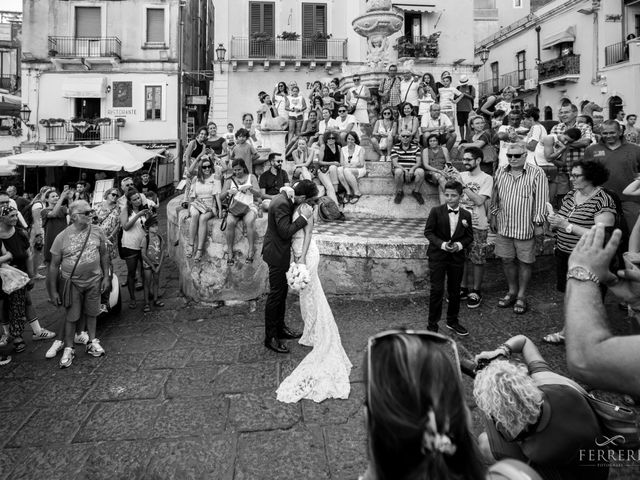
(418, 423)
(352, 167)
(407, 122)
(533, 414)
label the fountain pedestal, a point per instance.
(274, 140)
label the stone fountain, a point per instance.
(378, 23)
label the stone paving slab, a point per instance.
(253, 411)
(189, 417)
(136, 385)
(115, 460)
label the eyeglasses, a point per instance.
(451, 352)
(206, 166)
(331, 138)
(113, 194)
(514, 155)
(279, 161)
(386, 113)
(468, 159)
(576, 175)
(356, 79)
(87, 213)
(405, 136)
(341, 111)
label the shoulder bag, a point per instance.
(615, 420)
(65, 291)
(236, 207)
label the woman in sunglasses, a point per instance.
(384, 131)
(204, 204)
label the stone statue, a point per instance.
(378, 52)
(373, 5)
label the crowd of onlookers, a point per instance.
(74, 238)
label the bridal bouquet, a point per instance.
(298, 277)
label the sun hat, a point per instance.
(464, 79)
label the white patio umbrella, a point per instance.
(126, 151)
(79, 157)
(6, 169)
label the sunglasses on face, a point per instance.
(576, 175)
(405, 136)
(331, 138)
(206, 166)
(279, 161)
(514, 155)
(386, 113)
(113, 194)
(342, 111)
(451, 350)
(87, 213)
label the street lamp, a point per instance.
(220, 53)
(484, 55)
(25, 113)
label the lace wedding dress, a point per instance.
(324, 372)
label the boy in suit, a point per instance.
(449, 232)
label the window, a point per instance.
(314, 30)
(495, 77)
(155, 25)
(262, 27)
(517, 3)
(88, 22)
(522, 67)
(153, 102)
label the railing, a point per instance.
(417, 47)
(485, 88)
(10, 82)
(616, 53)
(559, 67)
(85, 47)
(67, 133)
(243, 48)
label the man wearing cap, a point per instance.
(465, 105)
(448, 97)
(390, 91)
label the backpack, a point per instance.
(328, 210)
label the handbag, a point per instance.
(65, 291)
(615, 420)
(236, 207)
(13, 279)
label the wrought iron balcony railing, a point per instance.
(85, 47)
(417, 47)
(69, 133)
(243, 48)
(559, 67)
(616, 53)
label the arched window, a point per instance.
(615, 105)
(548, 113)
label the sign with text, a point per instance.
(196, 99)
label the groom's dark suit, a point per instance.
(276, 252)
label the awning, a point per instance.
(415, 7)
(567, 35)
(10, 104)
(84, 87)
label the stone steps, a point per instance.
(382, 206)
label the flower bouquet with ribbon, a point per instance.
(298, 277)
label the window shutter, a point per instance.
(314, 19)
(155, 25)
(88, 22)
(255, 17)
(307, 21)
(320, 18)
(261, 18)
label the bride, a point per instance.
(324, 372)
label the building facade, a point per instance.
(95, 71)
(579, 50)
(299, 41)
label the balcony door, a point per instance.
(262, 29)
(314, 30)
(88, 31)
(86, 109)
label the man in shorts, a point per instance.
(406, 165)
(80, 252)
(477, 187)
(518, 211)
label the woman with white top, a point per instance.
(131, 218)
(358, 97)
(326, 124)
(281, 99)
(296, 108)
(384, 131)
(536, 131)
(352, 168)
(204, 197)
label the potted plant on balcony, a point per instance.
(44, 122)
(289, 48)
(121, 122)
(56, 122)
(261, 37)
(318, 36)
(106, 121)
(289, 36)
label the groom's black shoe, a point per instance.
(274, 344)
(287, 334)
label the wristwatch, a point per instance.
(569, 228)
(583, 275)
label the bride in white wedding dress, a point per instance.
(324, 372)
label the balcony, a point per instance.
(307, 50)
(419, 48)
(85, 50)
(81, 133)
(616, 53)
(10, 82)
(559, 70)
(523, 80)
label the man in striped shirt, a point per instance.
(518, 208)
(406, 164)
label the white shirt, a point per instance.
(537, 133)
(447, 95)
(322, 126)
(409, 91)
(442, 121)
(342, 124)
(453, 224)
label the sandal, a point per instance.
(158, 303)
(132, 304)
(198, 256)
(147, 308)
(507, 301)
(354, 199)
(189, 251)
(554, 338)
(520, 306)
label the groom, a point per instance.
(276, 252)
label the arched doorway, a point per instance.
(548, 113)
(615, 105)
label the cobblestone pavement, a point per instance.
(189, 392)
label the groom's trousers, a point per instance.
(276, 301)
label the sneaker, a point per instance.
(398, 197)
(67, 357)
(4, 340)
(5, 359)
(103, 309)
(54, 349)
(139, 286)
(474, 300)
(432, 328)
(418, 197)
(19, 346)
(43, 335)
(459, 329)
(94, 348)
(81, 338)
(464, 293)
